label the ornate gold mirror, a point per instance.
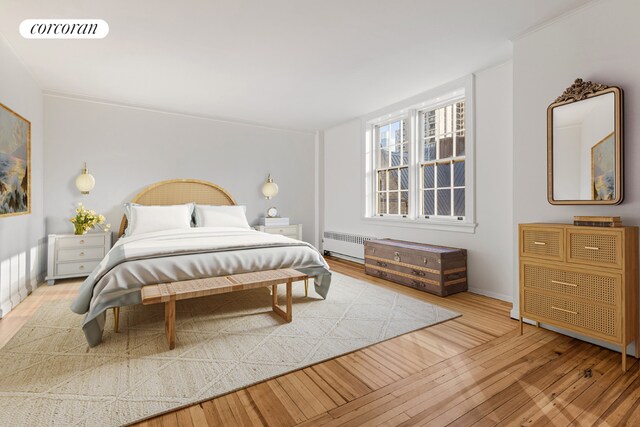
(585, 146)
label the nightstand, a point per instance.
(294, 231)
(70, 255)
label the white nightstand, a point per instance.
(294, 230)
(75, 256)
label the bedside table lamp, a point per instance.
(85, 181)
(269, 188)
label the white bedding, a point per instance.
(176, 255)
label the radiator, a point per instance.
(345, 244)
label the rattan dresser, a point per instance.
(582, 279)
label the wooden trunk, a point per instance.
(436, 269)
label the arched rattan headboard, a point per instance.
(179, 191)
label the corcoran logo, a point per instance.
(64, 29)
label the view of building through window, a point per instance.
(439, 167)
(443, 161)
(392, 154)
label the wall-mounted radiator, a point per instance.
(345, 244)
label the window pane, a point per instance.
(458, 174)
(382, 203)
(383, 158)
(460, 147)
(382, 180)
(404, 178)
(446, 147)
(394, 133)
(393, 203)
(405, 154)
(383, 135)
(428, 176)
(428, 202)
(444, 202)
(430, 149)
(393, 179)
(394, 152)
(458, 202)
(429, 123)
(404, 202)
(444, 175)
(460, 125)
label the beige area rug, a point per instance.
(49, 376)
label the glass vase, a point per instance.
(79, 230)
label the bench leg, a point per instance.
(306, 287)
(170, 321)
(116, 318)
(274, 304)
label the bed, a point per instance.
(176, 255)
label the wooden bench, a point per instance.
(169, 293)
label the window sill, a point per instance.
(425, 224)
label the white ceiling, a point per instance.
(299, 64)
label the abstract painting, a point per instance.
(603, 168)
(15, 163)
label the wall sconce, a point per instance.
(269, 188)
(85, 181)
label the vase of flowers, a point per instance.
(87, 219)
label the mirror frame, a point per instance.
(580, 91)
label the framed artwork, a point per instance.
(15, 163)
(603, 169)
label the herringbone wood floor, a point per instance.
(474, 370)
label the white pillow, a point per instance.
(147, 219)
(221, 216)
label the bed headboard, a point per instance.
(179, 191)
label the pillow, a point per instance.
(221, 216)
(147, 219)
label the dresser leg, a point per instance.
(624, 353)
(637, 348)
(521, 326)
(537, 324)
(116, 319)
(51, 282)
(306, 287)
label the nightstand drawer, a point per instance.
(80, 241)
(287, 230)
(84, 268)
(81, 254)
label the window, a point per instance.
(392, 168)
(419, 161)
(442, 166)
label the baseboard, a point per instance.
(345, 257)
(495, 295)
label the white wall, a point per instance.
(490, 255)
(21, 237)
(127, 149)
(585, 44)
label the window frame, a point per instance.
(461, 89)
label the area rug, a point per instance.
(49, 376)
